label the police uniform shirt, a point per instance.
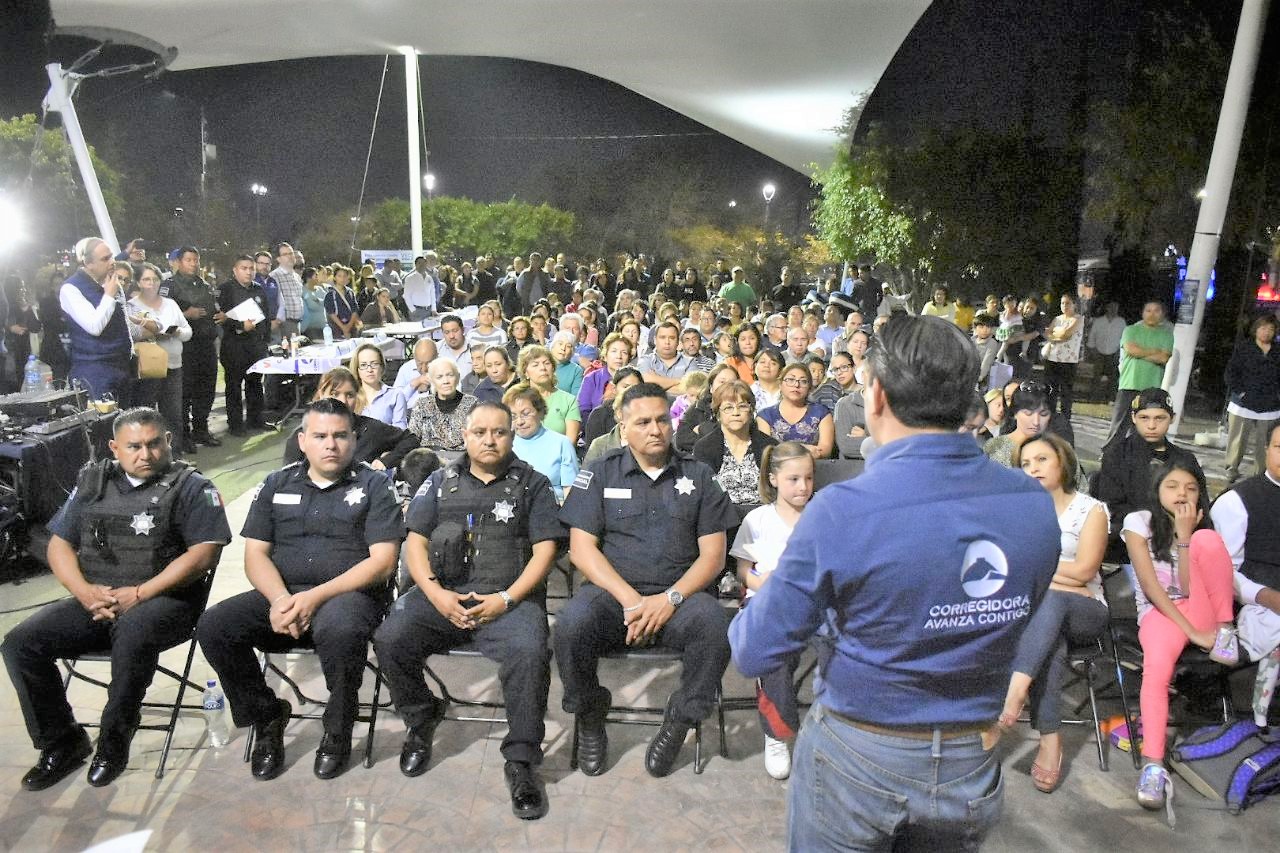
(648, 527)
(318, 533)
(198, 514)
(499, 507)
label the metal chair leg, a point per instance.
(1090, 677)
(183, 681)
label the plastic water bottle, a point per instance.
(328, 336)
(31, 375)
(215, 714)
(46, 375)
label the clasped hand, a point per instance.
(647, 621)
(468, 610)
(107, 604)
(292, 614)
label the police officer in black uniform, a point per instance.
(321, 539)
(647, 530)
(243, 343)
(131, 545)
(482, 538)
(200, 354)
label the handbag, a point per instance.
(150, 360)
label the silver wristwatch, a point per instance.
(674, 597)
(506, 599)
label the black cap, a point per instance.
(1153, 398)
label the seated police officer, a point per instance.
(321, 538)
(482, 537)
(131, 545)
(647, 530)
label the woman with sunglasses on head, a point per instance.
(1073, 609)
(795, 418)
(380, 444)
(1029, 413)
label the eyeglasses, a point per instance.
(796, 382)
(370, 365)
(734, 408)
(842, 368)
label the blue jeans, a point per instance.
(853, 789)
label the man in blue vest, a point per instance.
(100, 345)
(916, 633)
(130, 545)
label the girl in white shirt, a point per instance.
(786, 485)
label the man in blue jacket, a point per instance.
(918, 602)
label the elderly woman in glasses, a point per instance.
(795, 418)
(734, 447)
(377, 399)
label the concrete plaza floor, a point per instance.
(208, 800)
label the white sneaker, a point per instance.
(777, 759)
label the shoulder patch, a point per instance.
(257, 490)
(212, 496)
(583, 480)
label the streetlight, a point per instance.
(429, 183)
(12, 230)
(733, 202)
(258, 190)
(767, 190)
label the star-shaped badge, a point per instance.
(354, 495)
(685, 486)
(504, 511)
(143, 523)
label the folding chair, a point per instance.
(655, 656)
(1083, 660)
(464, 651)
(175, 708)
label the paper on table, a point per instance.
(247, 310)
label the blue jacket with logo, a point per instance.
(919, 575)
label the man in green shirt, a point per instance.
(739, 291)
(1145, 347)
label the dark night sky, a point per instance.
(302, 127)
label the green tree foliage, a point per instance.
(980, 210)
(57, 206)
(457, 228)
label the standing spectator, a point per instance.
(1062, 355)
(1145, 347)
(340, 305)
(988, 347)
(420, 288)
(738, 290)
(1104, 340)
(53, 323)
(170, 329)
(92, 301)
(198, 301)
(941, 304)
(289, 285)
(243, 343)
(903, 695)
(532, 285)
(262, 278)
(313, 314)
(1253, 395)
(868, 292)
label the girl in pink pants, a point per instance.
(1184, 595)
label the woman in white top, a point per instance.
(486, 331)
(1072, 609)
(786, 485)
(157, 318)
(1062, 354)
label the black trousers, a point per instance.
(1060, 376)
(340, 632)
(65, 629)
(590, 625)
(237, 358)
(199, 378)
(517, 641)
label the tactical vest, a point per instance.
(128, 538)
(1261, 499)
(499, 550)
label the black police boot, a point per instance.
(593, 743)
(527, 802)
(333, 754)
(665, 747)
(415, 755)
(112, 757)
(59, 760)
(267, 760)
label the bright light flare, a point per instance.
(13, 224)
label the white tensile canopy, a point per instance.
(776, 75)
